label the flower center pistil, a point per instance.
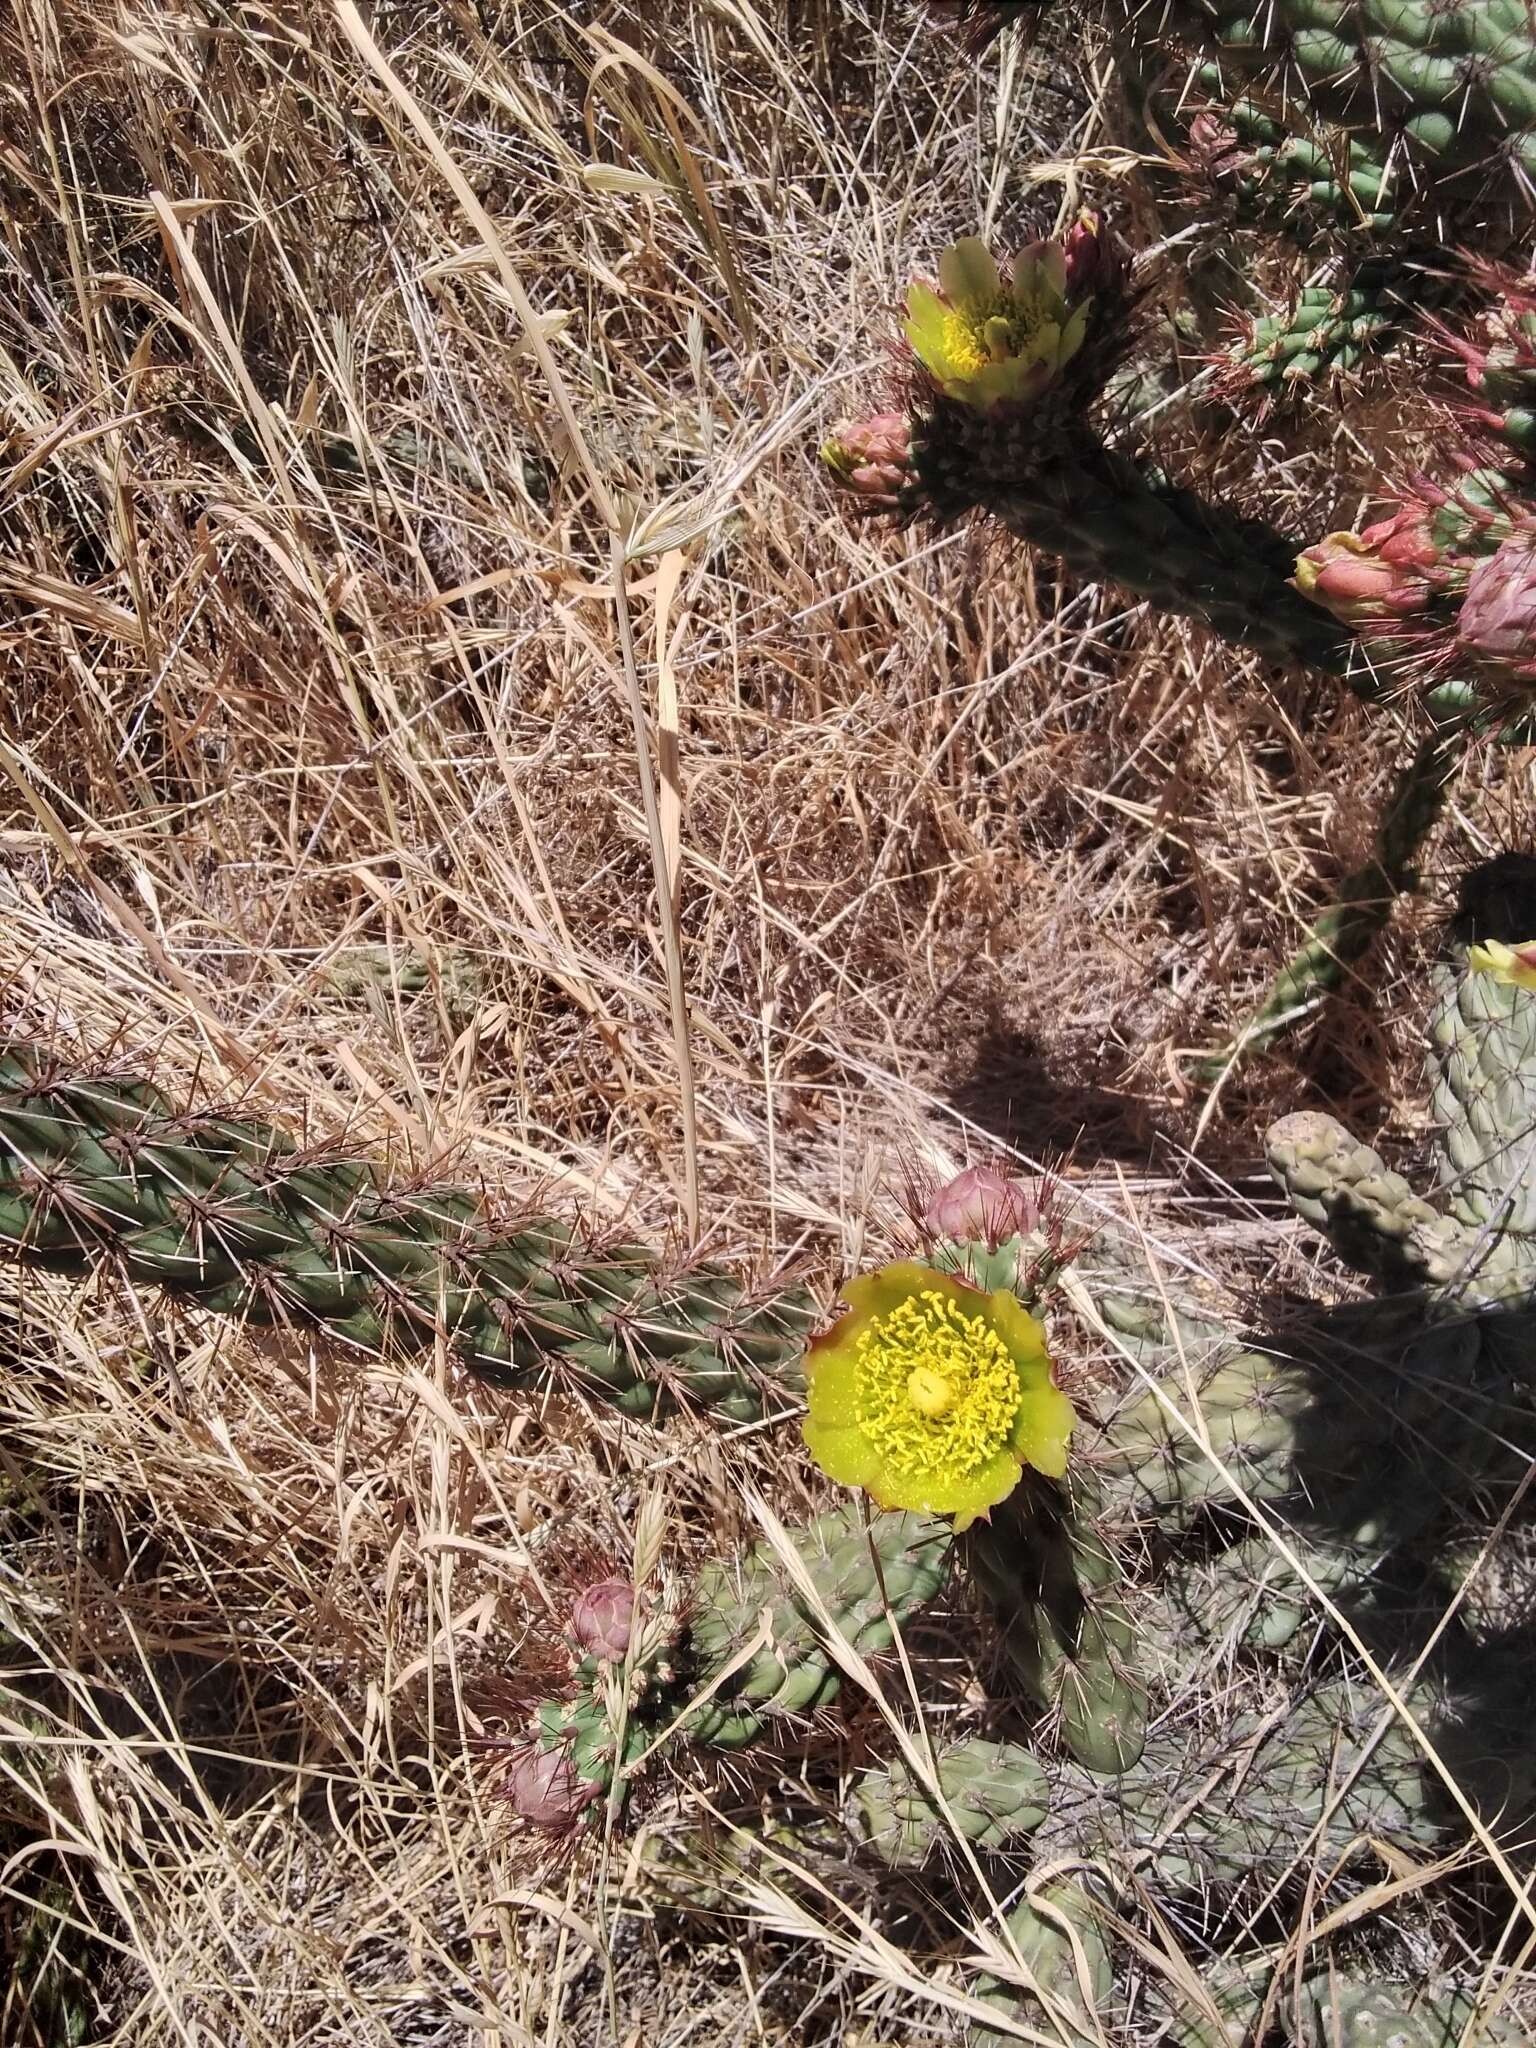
(938, 1390)
(929, 1392)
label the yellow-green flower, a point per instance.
(1513, 965)
(934, 1396)
(987, 343)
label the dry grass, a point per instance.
(312, 642)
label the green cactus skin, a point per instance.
(1286, 171)
(1250, 1409)
(1050, 1578)
(1326, 333)
(1047, 1949)
(227, 1214)
(1251, 1596)
(994, 1793)
(1111, 520)
(1263, 1787)
(870, 1576)
(1334, 2012)
(1483, 1058)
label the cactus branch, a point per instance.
(227, 1214)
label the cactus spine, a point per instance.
(1481, 1245)
(993, 1794)
(227, 1214)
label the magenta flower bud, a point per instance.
(872, 458)
(603, 1617)
(544, 1788)
(982, 1205)
(1497, 622)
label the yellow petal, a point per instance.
(927, 328)
(966, 271)
(845, 1455)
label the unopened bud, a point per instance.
(1497, 622)
(1368, 578)
(872, 458)
(982, 1205)
(545, 1788)
(603, 1617)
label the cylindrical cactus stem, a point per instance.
(1060, 1939)
(1050, 1578)
(1483, 1054)
(1326, 333)
(1339, 2010)
(869, 1577)
(993, 1795)
(1346, 929)
(227, 1214)
(1112, 521)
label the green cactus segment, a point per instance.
(1248, 1408)
(1111, 522)
(994, 1795)
(1483, 1245)
(1326, 333)
(1449, 84)
(1287, 168)
(594, 1741)
(1223, 2016)
(1252, 1597)
(1276, 1796)
(1061, 1944)
(1483, 1052)
(1335, 2012)
(229, 1215)
(1051, 1580)
(869, 1579)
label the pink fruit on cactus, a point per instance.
(544, 1788)
(1497, 622)
(1373, 577)
(603, 1617)
(981, 1205)
(872, 458)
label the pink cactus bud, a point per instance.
(1095, 258)
(1370, 578)
(872, 458)
(544, 1788)
(982, 1205)
(1497, 622)
(603, 1617)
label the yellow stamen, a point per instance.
(938, 1390)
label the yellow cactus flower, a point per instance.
(988, 343)
(932, 1395)
(1515, 966)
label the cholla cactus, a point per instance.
(1481, 1246)
(1326, 332)
(994, 1795)
(226, 1213)
(1335, 2010)
(1000, 419)
(1061, 1943)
